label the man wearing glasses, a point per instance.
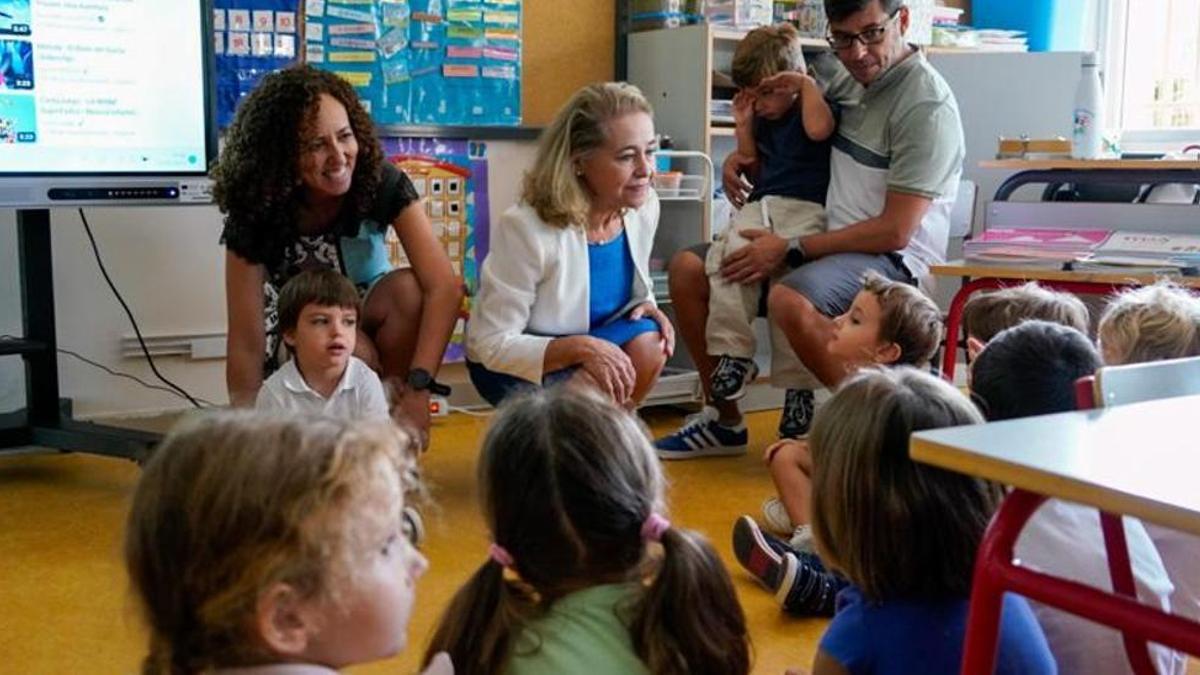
(894, 171)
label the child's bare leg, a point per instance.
(789, 465)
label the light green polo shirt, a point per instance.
(902, 133)
(581, 633)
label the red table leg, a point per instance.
(1121, 573)
(988, 585)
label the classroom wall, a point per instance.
(169, 267)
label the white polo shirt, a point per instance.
(359, 395)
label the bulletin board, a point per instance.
(423, 62)
(565, 44)
(250, 39)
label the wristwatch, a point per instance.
(419, 379)
(796, 255)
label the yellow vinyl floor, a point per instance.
(64, 600)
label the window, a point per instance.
(1152, 74)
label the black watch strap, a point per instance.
(419, 379)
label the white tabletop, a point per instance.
(1141, 459)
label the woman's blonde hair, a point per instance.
(567, 481)
(1152, 323)
(235, 502)
(894, 527)
(552, 187)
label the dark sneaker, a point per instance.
(811, 590)
(413, 526)
(797, 417)
(767, 558)
(703, 436)
(732, 376)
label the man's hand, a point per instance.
(756, 260)
(737, 188)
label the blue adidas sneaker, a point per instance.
(703, 436)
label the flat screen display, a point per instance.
(105, 88)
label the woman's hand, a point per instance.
(665, 329)
(411, 407)
(609, 367)
(755, 261)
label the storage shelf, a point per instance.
(722, 131)
(729, 34)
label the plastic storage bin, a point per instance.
(739, 13)
(1051, 25)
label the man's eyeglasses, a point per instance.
(870, 36)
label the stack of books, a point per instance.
(1032, 246)
(1144, 253)
(993, 40)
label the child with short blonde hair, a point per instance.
(273, 544)
(904, 534)
(576, 580)
(889, 323)
(986, 314)
(1155, 323)
(1151, 323)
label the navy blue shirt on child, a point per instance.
(790, 164)
(927, 637)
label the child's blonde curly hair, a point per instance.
(235, 502)
(1152, 323)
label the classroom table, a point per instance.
(978, 276)
(1139, 460)
(1124, 171)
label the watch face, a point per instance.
(419, 378)
(794, 257)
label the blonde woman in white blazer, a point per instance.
(565, 291)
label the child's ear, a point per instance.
(974, 346)
(285, 623)
(888, 354)
(289, 338)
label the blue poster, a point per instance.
(423, 62)
(250, 39)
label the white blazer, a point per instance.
(534, 286)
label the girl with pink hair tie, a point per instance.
(585, 573)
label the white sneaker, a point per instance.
(776, 518)
(802, 539)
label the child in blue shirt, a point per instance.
(904, 534)
(783, 141)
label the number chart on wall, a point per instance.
(423, 62)
(250, 39)
(451, 177)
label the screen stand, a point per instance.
(46, 420)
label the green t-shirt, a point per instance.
(581, 633)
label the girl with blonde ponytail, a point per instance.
(585, 573)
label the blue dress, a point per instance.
(610, 271)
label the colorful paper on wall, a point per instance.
(451, 177)
(433, 62)
(250, 39)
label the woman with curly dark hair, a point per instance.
(303, 183)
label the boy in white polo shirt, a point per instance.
(318, 318)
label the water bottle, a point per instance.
(662, 163)
(1087, 138)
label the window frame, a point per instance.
(1112, 42)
